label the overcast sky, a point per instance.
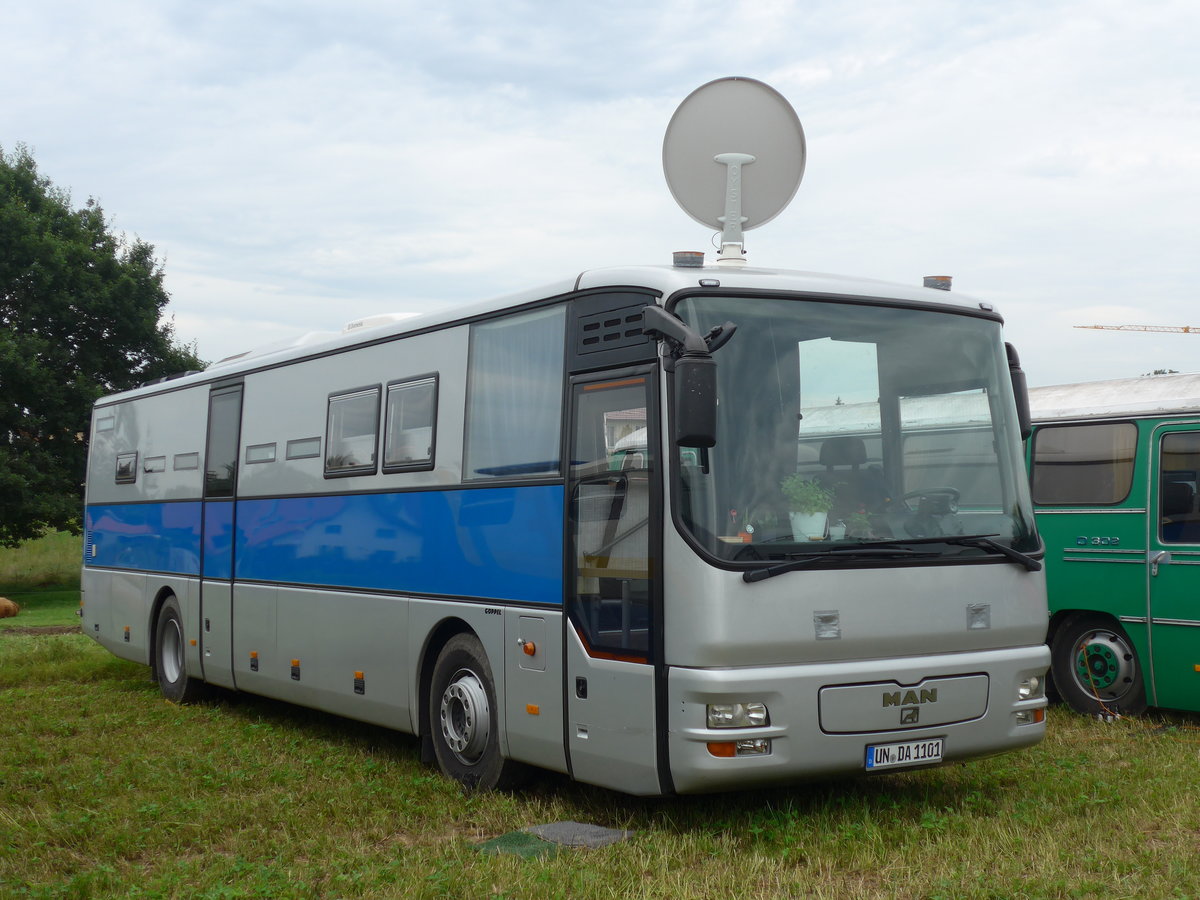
(299, 164)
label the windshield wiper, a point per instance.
(985, 541)
(982, 541)
(840, 553)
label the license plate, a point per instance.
(906, 753)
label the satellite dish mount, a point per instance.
(731, 235)
(720, 129)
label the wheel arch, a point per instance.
(438, 638)
(1066, 621)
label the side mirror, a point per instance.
(695, 375)
(1020, 392)
(695, 401)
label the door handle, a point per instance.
(1163, 557)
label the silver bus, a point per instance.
(564, 530)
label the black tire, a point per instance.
(463, 722)
(170, 656)
(1095, 667)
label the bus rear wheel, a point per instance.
(463, 721)
(1096, 669)
(171, 657)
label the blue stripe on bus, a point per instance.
(218, 539)
(496, 543)
(148, 537)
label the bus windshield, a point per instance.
(842, 424)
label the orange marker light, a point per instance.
(529, 647)
(533, 709)
(723, 749)
(192, 642)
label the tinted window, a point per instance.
(220, 462)
(514, 400)
(1179, 465)
(411, 411)
(612, 464)
(126, 468)
(352, 433)
(1083, 464)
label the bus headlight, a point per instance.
(1031, 687)
(738, 715)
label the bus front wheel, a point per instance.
(170, 656)
(1095, 667)
(463, 721)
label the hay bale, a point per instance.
(8, 608)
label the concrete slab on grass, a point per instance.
(578, 834)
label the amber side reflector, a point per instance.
(724, 749)
(1039, 715)
(1198, 668)
(192, 642)
(533, 709)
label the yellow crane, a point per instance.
(1178, 329)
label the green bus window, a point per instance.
(1083, 465)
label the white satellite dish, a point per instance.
(734, 155)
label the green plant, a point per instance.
(806, 497)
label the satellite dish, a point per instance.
(733, 156)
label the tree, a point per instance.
(80, 316)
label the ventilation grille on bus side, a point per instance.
(611, 329)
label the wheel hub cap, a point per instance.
(465, 716)
(171, 656)
(1104, 663)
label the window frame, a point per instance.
(1132, 463)
(131, 461)
(471, 421)
(425, 464)
(370, 468)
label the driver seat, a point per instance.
(856, 486)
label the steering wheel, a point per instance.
(936, 501)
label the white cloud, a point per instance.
(299, 165)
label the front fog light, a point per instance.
(748, 747)
(738, 715)
(1030, 716)
(1032, 687)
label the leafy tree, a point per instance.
(80, 316)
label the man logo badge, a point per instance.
(909, 715)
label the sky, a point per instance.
(297, 164)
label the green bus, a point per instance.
(1115, 475)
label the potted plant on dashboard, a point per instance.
(808, 503)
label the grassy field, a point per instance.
(51, 561)
(107, 790)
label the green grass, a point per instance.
(42, 577)
(53, 560)
(108, 790)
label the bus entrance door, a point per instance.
(220, 490)
(1174, 569)
(613, 594)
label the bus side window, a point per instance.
(409, 425)
(1085, 465)
(514, 396)
(352, 432)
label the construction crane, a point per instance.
(1174, 329)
